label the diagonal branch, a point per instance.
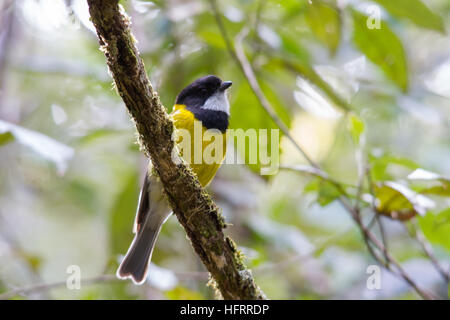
(193, 207)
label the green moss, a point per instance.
(213, 285)
(220, 218)
(238, 255)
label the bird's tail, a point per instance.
(152, 212)
(135, 263)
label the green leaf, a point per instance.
(443, 183)
(399, 202)
(382, 47)
(291, 45)
(6, 137)
(415, 11)
(356, 128)
(381, 164)
(212, 38)
(442, 190)
(325, 23)
(436, 227)
(312, 186)
(327, 193)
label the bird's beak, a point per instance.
(225, 85)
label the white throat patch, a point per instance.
(218, 102)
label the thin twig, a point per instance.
(89, 281)
(318, 172)
(224, 32)
(48, 286)
(383, 235)
(280, 265)
(368, 174)
(359, 190)
(428, 250)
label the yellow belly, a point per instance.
(205, 171)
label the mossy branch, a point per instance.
(193, 207)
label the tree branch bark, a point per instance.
(193, 207)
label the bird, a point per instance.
(202, 104)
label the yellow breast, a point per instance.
(203, 149)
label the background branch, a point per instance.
(428, 250)
(193, 207)
(53, 285)
(43, 287)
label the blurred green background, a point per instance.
(70, 168)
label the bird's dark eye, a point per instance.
(203, 91)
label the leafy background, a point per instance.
(70, 169)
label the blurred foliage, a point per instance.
(357, 99)
(415, 11)
(436, 227)
(325, 23)
(382, 47)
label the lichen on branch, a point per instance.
(193, 207)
